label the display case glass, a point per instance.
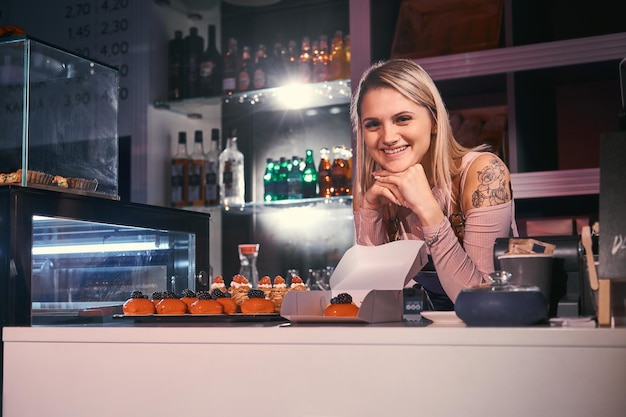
(75, 259)
(59, 120)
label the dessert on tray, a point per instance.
(278, 292)
(205, 304)
(239, 288)
(138, 304)
(342, 306)
(171, 304)
(224, 298)
(218, 283)
(256, 303)
(265, 285)
(297, 284)
(188, 297)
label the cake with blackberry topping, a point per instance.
(257, 303)
(138, 304)
(171, 304)
(188, 297)
(341, 306)
(205, 304)
(224, 298)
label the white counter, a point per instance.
(314, 371)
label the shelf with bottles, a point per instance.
(258, 207)
(288, 97)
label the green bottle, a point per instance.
(269, 186)
(309, 176)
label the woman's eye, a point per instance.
(371, 124)
(401, 119)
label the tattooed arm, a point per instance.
(488, 210)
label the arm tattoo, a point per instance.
(493, 186)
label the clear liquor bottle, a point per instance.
(232, 182)
(212, 193)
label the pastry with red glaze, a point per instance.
(171, 304)
(156, 297)
(224, 298)
(205, 304)
(341, 306)
(138, 304)
(188, 297)
(257, 303)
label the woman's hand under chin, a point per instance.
(409, 188)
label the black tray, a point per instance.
(202, 318)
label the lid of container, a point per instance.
(501, 282)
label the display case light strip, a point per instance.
(98, 248)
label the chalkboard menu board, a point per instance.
(612, 243)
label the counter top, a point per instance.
(310, 370)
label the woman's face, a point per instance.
(396, 130)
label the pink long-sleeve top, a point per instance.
(458, 266)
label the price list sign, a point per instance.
(108, 31)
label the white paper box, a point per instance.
(373, 275)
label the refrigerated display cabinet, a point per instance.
(68, 258)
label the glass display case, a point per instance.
(59, 120)
(75, 259)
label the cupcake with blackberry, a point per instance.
(342, 306)
(138, 304)
(188, 297)
(224, 298)
(205, 304)
(257, 303)
(171, 304)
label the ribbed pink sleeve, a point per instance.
(457, 266)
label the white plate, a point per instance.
(443, 317)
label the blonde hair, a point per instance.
(410, 80)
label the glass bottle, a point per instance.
(291, 61)
(180, 173)
(248, 254)
(294, 179)
(197, 172)
(192, 50)
(276, 179)
(244, 78)
(309, 176)
(324, 178)
(232, 182)
(175, 66)
(305, 62)
(269, 193)
(276, 70)
(337, 63)
(282, 186)
(339, 170)
(260, 71)
(229, 73)
(211, 68)
(320, 65)
(349, 184)
(212, 193)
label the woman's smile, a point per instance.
(396, 131)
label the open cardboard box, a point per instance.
(373, 275)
